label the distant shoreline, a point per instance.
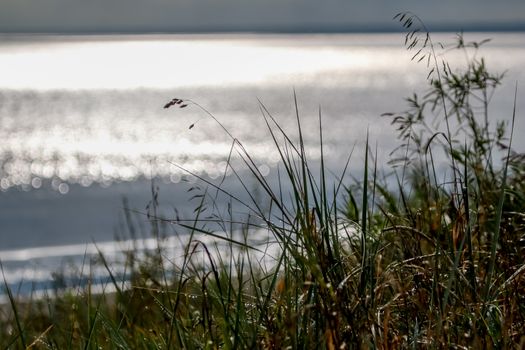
(342, 29)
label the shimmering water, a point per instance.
(82, 123)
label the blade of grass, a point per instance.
(364, 210)
(499, 210)
(14, 307)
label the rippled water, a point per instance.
(82, 123)
(88, 109)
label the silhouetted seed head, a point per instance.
(179, 102)
(173, 102)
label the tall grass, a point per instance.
(430, 263)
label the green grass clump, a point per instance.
(435, 262)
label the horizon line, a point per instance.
(305, 29)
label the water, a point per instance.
(82, 124)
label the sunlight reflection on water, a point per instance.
(126, 62)
(83, 110)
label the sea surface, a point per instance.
(84, 135)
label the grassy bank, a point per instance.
(412, 254)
